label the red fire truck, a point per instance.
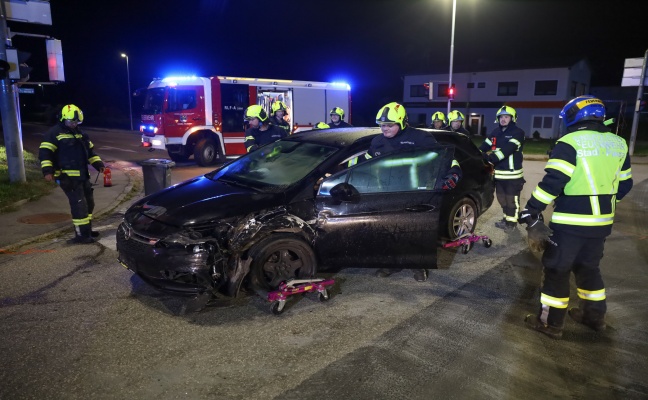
(203, 117)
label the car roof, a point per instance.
(343, 137)
(338, 137)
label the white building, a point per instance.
(537, 95)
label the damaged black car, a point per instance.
(301, 205)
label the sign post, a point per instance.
(634, 74)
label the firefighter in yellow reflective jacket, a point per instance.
(503, 149)
(587, 174)
(65, 154)
(438, 120)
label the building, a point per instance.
(537, 95)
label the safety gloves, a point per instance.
(539, 234)
(450, 182)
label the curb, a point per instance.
(107, 210)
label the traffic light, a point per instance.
(18, 70)
(451, 92)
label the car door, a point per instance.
(383, 212)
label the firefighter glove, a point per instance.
(539, 235)
(450, 182)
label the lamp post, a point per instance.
(130, 107)
(454, 13)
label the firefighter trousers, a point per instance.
(81, 198)
(581, 256)
(508, 196)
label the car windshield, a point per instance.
(274, 167)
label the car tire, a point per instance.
(278, 258)
(178, 157)
(462, 218)
(206, 153)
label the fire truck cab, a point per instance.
(203, 116)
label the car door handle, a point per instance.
(420, 208)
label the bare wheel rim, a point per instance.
(463, 221)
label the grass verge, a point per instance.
(12, 192)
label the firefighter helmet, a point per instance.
(392, 113)
(278, 106)
(439, 116)
(321, 125)
(455, 115)
(72, 113)
(506, 110)
(256, 111)
(337, 111)
(583, 108)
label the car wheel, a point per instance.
(206, 152)
(462, 218)
(178, 157)
(278, 258)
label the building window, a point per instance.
(442, 90)
(507, 88)
(471, 85)
(418, 91)
(546, 88)
(542, 122)
(481, 85)
(577, 89)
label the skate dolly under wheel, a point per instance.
(467, 241)
(295, 286)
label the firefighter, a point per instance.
(279, 110)
(587, 174)
(503, 149)
(65, 154)
(439, 121)
(260, 132)
(456, 120)
(337, 119)
(398, 135)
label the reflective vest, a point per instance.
(598, 170)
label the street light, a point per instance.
(454, 13)
(130, 107)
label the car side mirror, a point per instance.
(343, 192)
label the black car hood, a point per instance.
(199, 201)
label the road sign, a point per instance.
(30, 11)
(24, 90)
(632, 72)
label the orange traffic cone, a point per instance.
(107, 177)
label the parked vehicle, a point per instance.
(203, 116)
(294, 206)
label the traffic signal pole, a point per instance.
(10, 112)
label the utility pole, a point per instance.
(9, 110)
(635, 120)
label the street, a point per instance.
(78, 325)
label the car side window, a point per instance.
(399, 172)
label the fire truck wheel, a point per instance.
(206, 152)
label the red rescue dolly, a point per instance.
(295, 286)
(466, 242)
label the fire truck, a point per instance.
(203, 116)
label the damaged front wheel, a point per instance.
(278, 258)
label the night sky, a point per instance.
(368, 43)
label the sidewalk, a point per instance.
(50, 214)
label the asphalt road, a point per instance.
(75, 325)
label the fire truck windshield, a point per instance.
(153, 101)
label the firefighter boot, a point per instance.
(590, 320)
(421, 275)
(82, 235)
(534, 323)
(94, 234)
(505, 225)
